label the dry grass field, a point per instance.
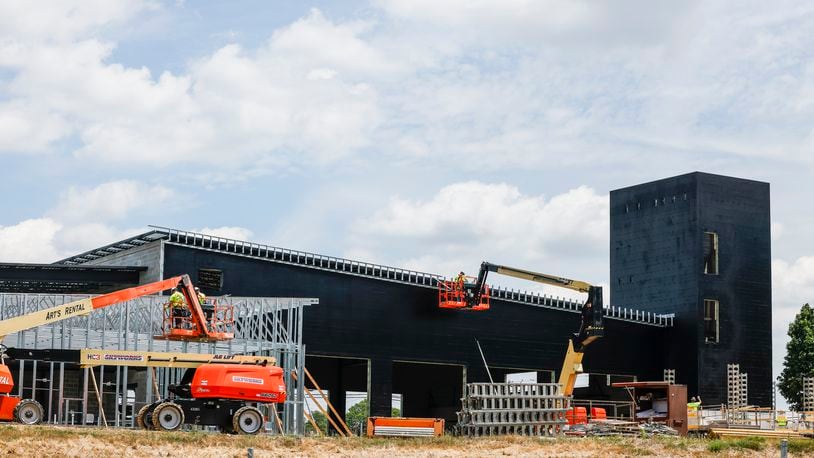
(46, 441)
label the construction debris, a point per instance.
(620, 428)
(657, 429)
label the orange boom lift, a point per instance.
(210, 324)
(216, 390)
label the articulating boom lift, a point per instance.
(197, 323)
(216, 390)
(475, 296)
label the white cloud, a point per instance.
(792, 286)
(79, 237)
(45, 240)
(466, 223)
(84, 218)
(109, 201)
(229, 232)
(565, 83)
(32, 240)
(63, 20)
(295, 97)
(567, 22)
(25, 128)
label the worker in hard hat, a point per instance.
(694, 413)
(461, 279)
(177, 299)
(178, 307)
(209, 310)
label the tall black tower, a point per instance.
(699, 245)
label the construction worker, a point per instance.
(694, 413)
(177, 299)
(461, 278)
(209, 310)
(178, 306)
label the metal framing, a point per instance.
(808, 394)
(263, 326)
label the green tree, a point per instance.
(356, 417)
(799, 361)
(320, 420)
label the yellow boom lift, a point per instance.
(591, 326)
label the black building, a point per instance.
(699, 246)
(379, 330)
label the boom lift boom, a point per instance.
(592, 317)
(199, 327)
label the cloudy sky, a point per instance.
(415, 133)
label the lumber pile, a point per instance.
(746, 432)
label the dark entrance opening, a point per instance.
(428, 389)
(337, 376)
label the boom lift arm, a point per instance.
(87, 306)
(29, 411)
(592, 317)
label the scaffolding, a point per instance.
(670, 376)
(263, 326)
(525, 409)
(808, 394)
(737, 392)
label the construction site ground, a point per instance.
(48, 441)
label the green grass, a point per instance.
(800, 446)
(751, 443)
(743, 443)
(717, 445)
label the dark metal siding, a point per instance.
(657, 265)
(384, 321)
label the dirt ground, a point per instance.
(47, 441)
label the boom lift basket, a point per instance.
(179, 324)
(461, 295)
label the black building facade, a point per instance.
(699, 246)
(379, 330)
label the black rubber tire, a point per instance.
(247, 420)
(167, 416)
(142, 419)
(29, 412)
(148, 418)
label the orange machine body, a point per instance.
(7, 403)
(239, 382)
(6, 381)
(7, 406)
